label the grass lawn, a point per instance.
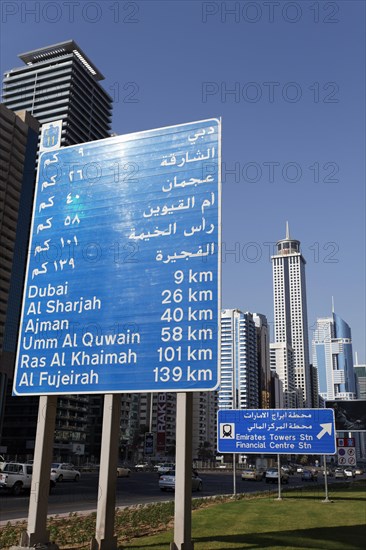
(300, 520)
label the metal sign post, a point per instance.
(279, 476)
(325, 480)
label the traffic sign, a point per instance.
(346, 451)
(123, 275)
(276, 431)
(149, 444)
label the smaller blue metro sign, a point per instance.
(276, 431)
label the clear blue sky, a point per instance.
(294, 128)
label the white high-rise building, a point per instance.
(282, 363)
(239, 361)
(290, 310)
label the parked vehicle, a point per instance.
(349, 472)
(17, 476)
(167, 481)
(309, 475)
(359, 471)
(65, 471)
(253, 474)
(272, 476)
(123, 471)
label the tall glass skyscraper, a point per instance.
(332, 355)
(290, 310)
(60, 82)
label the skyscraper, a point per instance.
(290, 309)
(332, 355)
(56, 82)
(264, 367)
(282, 363)
(239, 361)
(18, 148)
(60, 82)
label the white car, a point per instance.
(65, 471)
(165, 467)
(123, 472)
(272, 476)
(167, 481)
(252, 474)
(142, 467)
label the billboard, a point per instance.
(123, 274)
(350, 416)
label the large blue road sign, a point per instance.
(123, 274)
(276, 431)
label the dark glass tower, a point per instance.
(56, 82)
(60, 82)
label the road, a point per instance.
(140, 488)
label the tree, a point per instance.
(205, 452)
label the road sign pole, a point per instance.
(279, 476)
(183, 474)
(325, 479)
(234, 474)
(38, 503)
(104, 530)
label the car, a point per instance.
(309, 475)
(287, 469)
(89, 467)
(299, 469)
(359, 471)
(165, 467)
(167, 481)
(122, 471)
(330, 472)
(272, 476)
(339, 473)
(349, 472)
(65, 471)
(17, 476)
(252, 474)
(142, 467)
